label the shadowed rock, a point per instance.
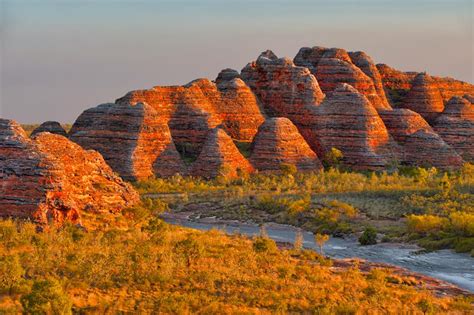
(220, 157)
(51, 127)
(420, 145)
(278, 142)
(49, 178)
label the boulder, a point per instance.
(133, 139)
(220, 157)
(51, 179)
(51, 127)
(420, 145)
(456, 126)
(278, 142)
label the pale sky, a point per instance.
(59, 58)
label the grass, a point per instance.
(381, 200)
(149, 266)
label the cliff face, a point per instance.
(278, 142)
(49, 178)
(334, 98)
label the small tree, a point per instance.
(190, 249)
(288, 169)
(11, 272)
(299, 239)
(321, 239)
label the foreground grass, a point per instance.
(152, 267)
(337, 202)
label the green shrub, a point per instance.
(46, 297)
(11, 272)
(369, 237)
(264, 244)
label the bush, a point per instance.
(425, 223)
(46, 297)
(11, 272)
(288, 169)
(369, 237)
(264, 244)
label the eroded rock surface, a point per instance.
(456, 126)
(334, 66)
(220, 157)
(49, 178)
(278, 142)
(133, 139)
(420, 144)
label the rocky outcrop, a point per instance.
(456, 126)
(49, 178)
(133, 140)
(284, 89)
(333, 66)
(420, 145)
(51, 127)
(346, 120)
(398, 83)
(424, 97)
(201, 105)
(220, 157)
(278, 142)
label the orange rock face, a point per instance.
(278, 142)
(420, 145)
(134, 140)
(346, 120)
(424, 97)
(193, 109)
(333, 66)
(50, 178)
(456, 126)
(220, 157)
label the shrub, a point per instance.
(333, 157)
(288, 169)
(11, 272)
(425, 223)
(369, 237)
(46, 297)
(264, 244)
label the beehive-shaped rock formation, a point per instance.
(424, 98)
(134, 140)
(284, 89)
(420, 145)
(50, 178)
(201, 105)
(346, 120)
(278, 142)
(51, 127)
(456, 126)
(333, 66)
(220, 157)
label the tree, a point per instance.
(321, 239)
(190, 249)
(299, 239)
(11, 272)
